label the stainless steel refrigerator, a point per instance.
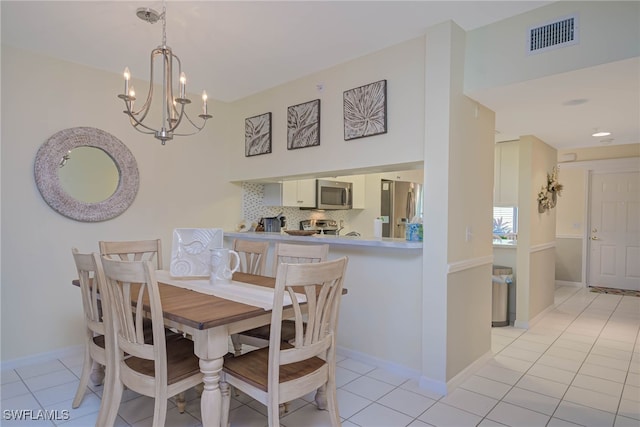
(400, 201)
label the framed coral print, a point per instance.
(365, 110)
(257, 135)
(303, 125)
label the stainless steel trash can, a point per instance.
(501, 279)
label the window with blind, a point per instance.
(505, 222)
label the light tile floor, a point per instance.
(578, 365)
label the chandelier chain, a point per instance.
(164, 24)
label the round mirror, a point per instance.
(102, 178)
(88, 174)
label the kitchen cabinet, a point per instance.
(505, 184)
(358, 189)
(300, 193)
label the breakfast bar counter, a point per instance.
(330, 239)
(379, 318)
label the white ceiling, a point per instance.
(237, 48)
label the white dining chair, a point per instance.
(284, 253)
(253, 255)
(133, 250)
(282, 372)
(91, 279)
(160, 368)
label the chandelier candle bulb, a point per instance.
(204, 102)
(127, 76)
(183, 83)
(132, 97)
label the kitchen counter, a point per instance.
(505, 243)
(384, 278)
(326, 238)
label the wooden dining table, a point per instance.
(209, 320)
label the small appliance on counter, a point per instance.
(320, 226)
(273, 224)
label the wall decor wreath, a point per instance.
(548, 195)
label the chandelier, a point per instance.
(172, 107)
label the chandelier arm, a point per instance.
(199, 128)
(135, 126)
(173, 105)
(138, 122)
(147, 104)
(167, 92)
(178, 120)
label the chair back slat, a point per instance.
(322, 283)
(291, 253)
(125, 280)
(134, 250)
(87, 266)
(253, 255)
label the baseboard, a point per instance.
(566, 283)
(520, 324)
(41, 357)
(392, 367)
(445, 388)
(426, 383)
(439, 387)
(469, 371)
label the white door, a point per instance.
(614, 241)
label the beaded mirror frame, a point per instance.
(51, 156)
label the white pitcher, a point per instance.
(221, 271)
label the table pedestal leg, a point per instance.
(210, 346)
(211, 399)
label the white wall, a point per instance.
(496, 55)
(536, 232)
(403, 68)
(459, 152)
(381, 316)
(182, 184)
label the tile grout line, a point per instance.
(513, 386)
(588, 354)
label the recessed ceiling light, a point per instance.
(600, 133)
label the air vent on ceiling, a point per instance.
(553, 35)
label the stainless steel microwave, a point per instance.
(333, 194)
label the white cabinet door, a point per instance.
(306, 193)
(272, 195)
(505, 185)
(290, 193)
(300, 193)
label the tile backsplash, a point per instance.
(253, 209)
